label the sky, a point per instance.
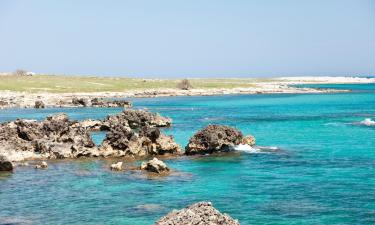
(195, 38)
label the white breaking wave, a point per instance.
(368, 122)
(246, 148)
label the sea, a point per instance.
(321, 169)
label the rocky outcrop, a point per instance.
(92, 125)
(155, 165)
(124, 141)
(106, 103)
(5, 164)
(213, 138)
(116, 166)
(248, 140)
(39, 104)
(201, 213)
(42, 165)
(137, 118)
(55, 137)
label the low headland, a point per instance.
(59, 91)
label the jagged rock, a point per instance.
(248, 140)
(39, 104)
(155, 165)
(5, 164)
(116, 166)
(98, 102)
(80, 101)
(92, 125)
(42, 165)
(137, 119)
(124, 141)
(55, 137)
(201, 213)
(213, 138)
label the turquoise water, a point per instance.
(323, 174)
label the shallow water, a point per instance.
(324, 172)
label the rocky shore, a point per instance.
(10, 99)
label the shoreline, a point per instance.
(283, 85)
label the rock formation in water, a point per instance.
(155, 165)
(116, 166)
(42, 165)
(124, 141)
(55, 137)
(136, 119)
(100, 102)
(248, 140)
(213, 138)
(201, 213)
(5, 164)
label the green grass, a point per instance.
(67, 84)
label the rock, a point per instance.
(116, 166)
(42, 165)
(39, 104)
(124, 141)
(213, 138)
(99, 102)
(80, 102)
(201, 213)
(155, 165)
(55, 137)
(5, 164)
(137, 119)
(91, 125)
(248, 140)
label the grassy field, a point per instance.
(63, 84)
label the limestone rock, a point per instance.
(155, 165)
(5, 164)
(201, 213)
(213, 138)
(42, 165)
(116, 166)
(248, 140)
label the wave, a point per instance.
(255, 149)
(367, 122)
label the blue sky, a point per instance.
(195, 38)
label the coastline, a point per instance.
(283, 85)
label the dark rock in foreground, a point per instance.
(201, 213)
(213, 138)
(155, 165)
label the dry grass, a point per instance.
(64, 84)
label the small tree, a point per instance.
(184, 85)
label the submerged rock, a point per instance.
(39, 104)
(42, 165)
(155, 165)
(213, 138)
(5, 164)
(116, 166)
(201, 213)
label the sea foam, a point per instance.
(367, 122)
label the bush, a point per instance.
(184, 85)
(20, 73)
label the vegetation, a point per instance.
(64, 84)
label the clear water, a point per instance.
(323, 174)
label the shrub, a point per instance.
(184, 85)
